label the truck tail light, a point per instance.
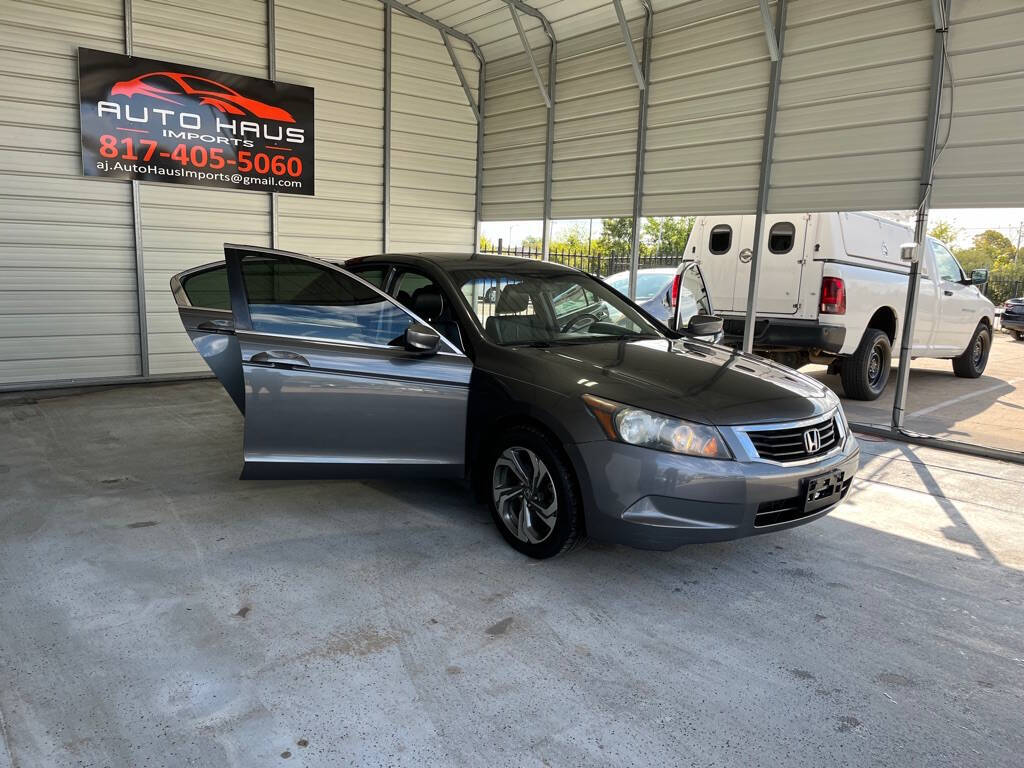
(675, 288)
(833, 296)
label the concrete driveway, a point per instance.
(156, 611)
(986, 411)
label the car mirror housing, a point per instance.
(422, 340)
(704, 325)
(979, 277)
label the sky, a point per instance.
(971, 221)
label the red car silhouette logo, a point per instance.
(171, 86)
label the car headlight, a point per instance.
(647, 429)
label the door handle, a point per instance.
(216, 325)
(280, 357)
(947, 292)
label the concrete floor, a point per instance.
(987, 411)
(156, 611)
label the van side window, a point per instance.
(208, 289)
(721, 239)
(781, 237)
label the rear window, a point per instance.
(209, 289)
(721, 239)
(781, 237)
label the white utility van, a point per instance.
(833, 291)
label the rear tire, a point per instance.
(865, 373)
(1019, 335)
(971, 364)
(529, 474)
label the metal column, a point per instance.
(386, 200)
(643, 78)
(479, 188)
(767, 148)
(921, 227)
(272, 75)
(140, 266)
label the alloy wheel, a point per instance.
(524, 494)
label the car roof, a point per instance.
(450, 262)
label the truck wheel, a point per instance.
(971, 364)
(865, 373)
(1020, 335)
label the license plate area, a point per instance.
(823, 491)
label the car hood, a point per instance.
(684, 378)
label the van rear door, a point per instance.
(783, 242)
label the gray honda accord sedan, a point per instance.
(570, 410)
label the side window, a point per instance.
(721, 239)
(373, 275)
(297, 298)
(781, 237)
(946, 263)
(208, 289)
(572, 300)
(407, 285)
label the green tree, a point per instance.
(986, 249)
(532, 243)
(945, 232)
(485, 243)
(668, 234)
(616, 234)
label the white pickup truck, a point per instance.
(833, 291)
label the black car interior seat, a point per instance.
(428, 302)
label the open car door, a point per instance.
(340, 380)
(204, 306)
(692, 310)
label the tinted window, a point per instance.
(781, 237)
(209, 289)
(297, 298)
(372, 275)
(407, 285)
(721, 238)
(946, 263)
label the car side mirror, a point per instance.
(422, 340)
(979, 277)
(704, 325)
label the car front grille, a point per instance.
(788, 510)
(790, 444)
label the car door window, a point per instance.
(299, 298)
(946, 264)
(375, 276)
(208, 289)
(408, 283)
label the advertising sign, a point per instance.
(155, 121)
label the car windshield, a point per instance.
(542, 308)
(647, 285)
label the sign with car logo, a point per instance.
(812, 440)
(155, 121)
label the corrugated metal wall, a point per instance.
(183, 226)
(338, 49)
(67, 257)
(983, 163)
(433, 142)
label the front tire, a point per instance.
(864, 374)
(971, 364)
(533, 495)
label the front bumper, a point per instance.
(781, 333)
(656, 500)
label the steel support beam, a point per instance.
(641, 141)
(529, 55)
(774, 41)
(462, 75)
(386, 199)
(921, 225)
(140, 263)
(638, 72)
(272, 75)
(764, 185)
(478, 109)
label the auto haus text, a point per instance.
(188, 126)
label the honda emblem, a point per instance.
(812, 440)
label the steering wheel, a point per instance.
(584, 320)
